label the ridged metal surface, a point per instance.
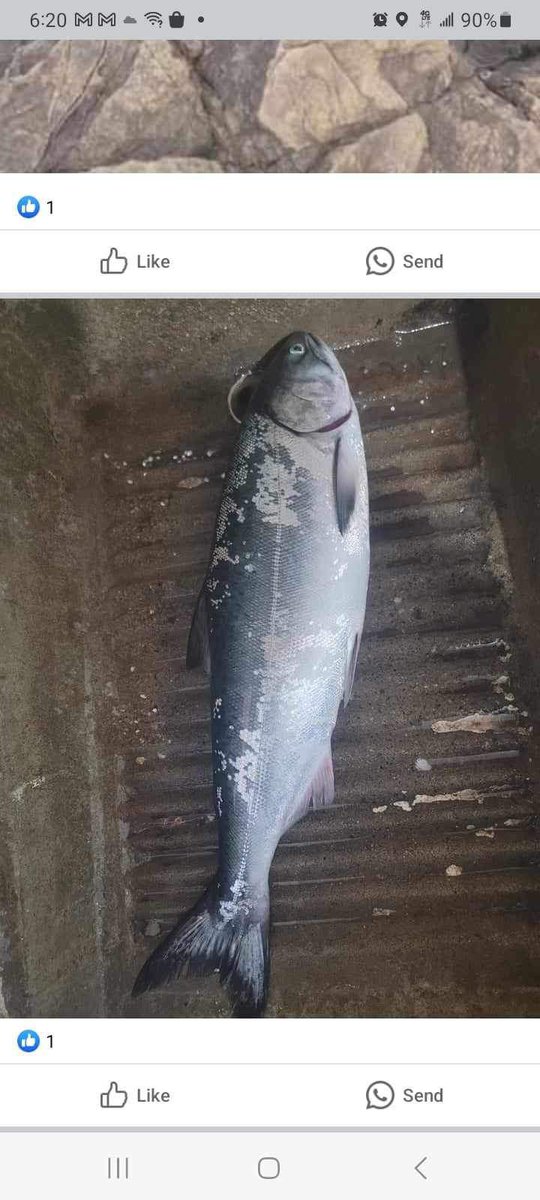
(417, 892)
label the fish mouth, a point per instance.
(318, 349)
(309, 340)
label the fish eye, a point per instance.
(297, 350)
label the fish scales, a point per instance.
(278, 624)
(284, 598)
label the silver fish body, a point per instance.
(285, 598)
(278, 625)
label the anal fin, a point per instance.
(198, 647)
(321, 789)
(320, 792)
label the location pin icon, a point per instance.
(402, 18)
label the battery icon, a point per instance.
(506, 20)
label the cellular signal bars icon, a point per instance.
(448, 21)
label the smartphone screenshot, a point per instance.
(270, 600)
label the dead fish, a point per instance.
(277, 626)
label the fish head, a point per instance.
(300, 385)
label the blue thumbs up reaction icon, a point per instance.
(28, 1040)
(28, 207)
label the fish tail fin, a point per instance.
(206, 940)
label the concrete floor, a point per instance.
(417, 894)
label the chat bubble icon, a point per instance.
(380, 261)
(380, 1094)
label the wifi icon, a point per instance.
(154, 18)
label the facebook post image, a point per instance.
(412, 98)
(188, 616)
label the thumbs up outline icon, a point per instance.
(114, 1097)
(114, 263)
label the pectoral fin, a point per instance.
(352, 659)
(198, 647)
(344, 483)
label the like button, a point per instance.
(114, 264)
(114, 1097)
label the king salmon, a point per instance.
(277, 626)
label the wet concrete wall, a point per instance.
(58, 826)
(501, 348)
(117, 490)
